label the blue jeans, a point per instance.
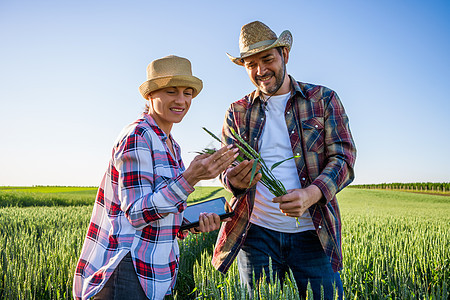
(301, 252)
(123, 283)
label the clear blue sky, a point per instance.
(70, 71)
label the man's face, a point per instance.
(266, 70)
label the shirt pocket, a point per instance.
(163, 175)
(313, 134)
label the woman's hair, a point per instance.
(147, 107)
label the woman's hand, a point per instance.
(209, 166)
(208, 222)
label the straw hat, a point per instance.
(256, 37)
(170, 71)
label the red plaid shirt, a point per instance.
(319, 131)
(138, 209)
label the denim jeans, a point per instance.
(123, 283)
(301, 252)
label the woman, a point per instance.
(130, 250)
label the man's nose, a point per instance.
(261, 69)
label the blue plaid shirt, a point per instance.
(138, 209)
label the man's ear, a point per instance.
(285, 53)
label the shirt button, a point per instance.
(255, 139)
(320, 227)
(288, 112)
(292, 131)
(303, 178)
(297, 154)
(316, 126)
(262, 118)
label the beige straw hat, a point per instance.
(256, 37)
(170, 71)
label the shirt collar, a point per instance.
(159, 132)
(295, 87)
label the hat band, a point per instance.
(257, 45)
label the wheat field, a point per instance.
(395, 246)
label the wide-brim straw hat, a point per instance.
(256, 37)
(170, 71)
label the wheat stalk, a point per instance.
(274, 185)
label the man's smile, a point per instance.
(265, 78)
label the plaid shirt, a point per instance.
(138, 209)
(319, 132)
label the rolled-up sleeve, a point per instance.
(227, 139)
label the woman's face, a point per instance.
(170, 105)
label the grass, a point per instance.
(50, 189)
(26, 197)
(76, 196)
(207, 192)
(39, 249)
(395, 246)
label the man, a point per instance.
(300, 231)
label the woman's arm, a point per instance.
(140, 200)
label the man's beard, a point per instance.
(279, 78)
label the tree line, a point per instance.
(414, 186)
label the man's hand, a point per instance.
(297, 201)
(239, 176)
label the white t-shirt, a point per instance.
(275, 146)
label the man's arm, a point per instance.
(236, 179)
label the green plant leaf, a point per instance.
(280, 162)
(252, 151)
(275, 186)
(212, 134)
(255, 164)
(239, 158)
(193, 291)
